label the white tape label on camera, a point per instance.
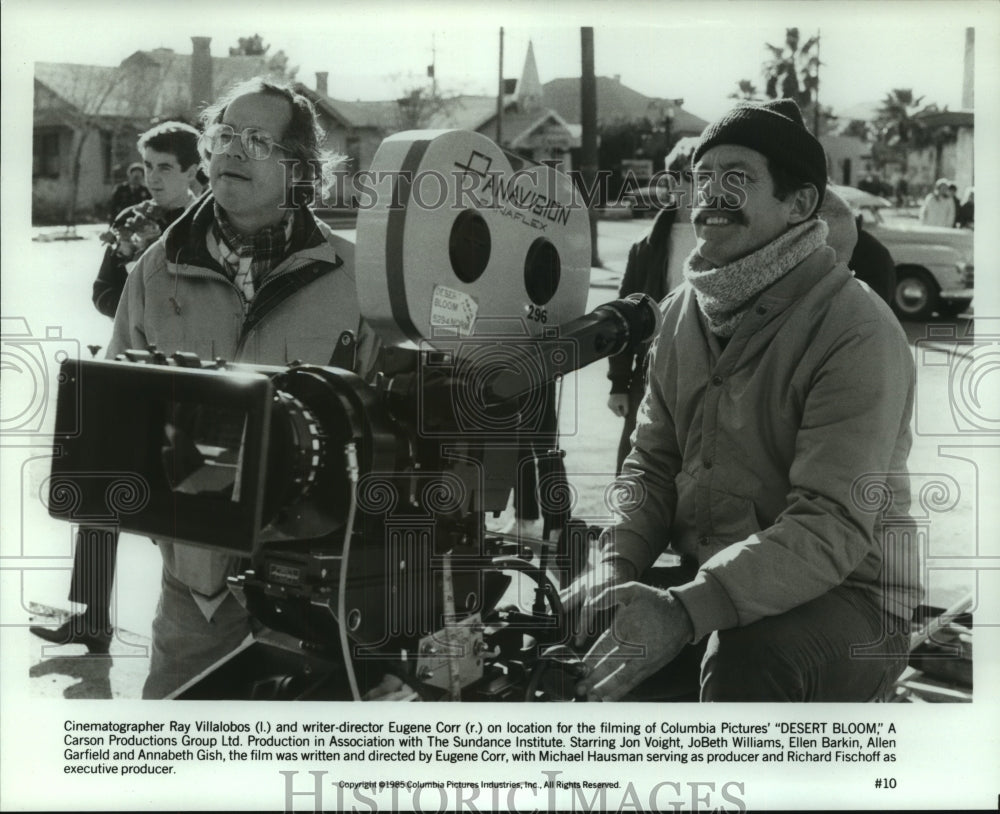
(451, 308)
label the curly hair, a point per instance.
(303, 137)
(177, 138)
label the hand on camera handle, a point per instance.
(618, 404)
(650, 628)
(578, 598)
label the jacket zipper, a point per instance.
(244, 333)
(198, 271)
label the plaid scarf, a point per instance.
(725, 293)
(248, 260)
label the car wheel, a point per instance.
(916, 294)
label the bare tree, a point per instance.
(89, 100)
(418, 106)
(253, 46)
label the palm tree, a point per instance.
(895, 124)
(793, 71)
(897, 127)
(746, 92)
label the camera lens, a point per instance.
(296, 452)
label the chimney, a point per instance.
(201, 73)
(321, 77)
(968, 80)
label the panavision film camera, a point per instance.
(359, 506)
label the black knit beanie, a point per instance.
(776, 130)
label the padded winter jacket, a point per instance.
(766, 461)
(178, 298)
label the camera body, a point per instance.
(359, 506)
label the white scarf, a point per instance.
(724, 293)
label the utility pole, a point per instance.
(816, 100)
(500, 95)
(434, 81)
(588, 123)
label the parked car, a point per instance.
(934, 265)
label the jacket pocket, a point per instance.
(734, 517)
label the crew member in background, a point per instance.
(966, 217)
(170, 160)
(646, 273)
(862, 252)
(653, 268)
(779, 394)
(129, 192)
(872, 263)
(938, 208)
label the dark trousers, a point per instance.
(636, 390)
(541, 488)
(841, 646)
(185, 643)
(94, 573)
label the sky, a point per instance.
(380, 49)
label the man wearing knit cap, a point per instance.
(769, 452)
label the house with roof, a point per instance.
(948, 152)
(353, 129)
(620, 104)
(542, 122)
(522, 124)
(536, 121)
(87, 118)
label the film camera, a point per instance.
(359, 506)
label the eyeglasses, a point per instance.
(257, 144)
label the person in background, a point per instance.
(870, 183)
(863, 253)
(938, 208)
(541, 483)
(129, 192)
(872, 263)
(966, 217)
(645, 272)
(200, 183)
(170, 162)
(653, 268)
(902, 190)
(953, 191)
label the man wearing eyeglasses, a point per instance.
(245, 276)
